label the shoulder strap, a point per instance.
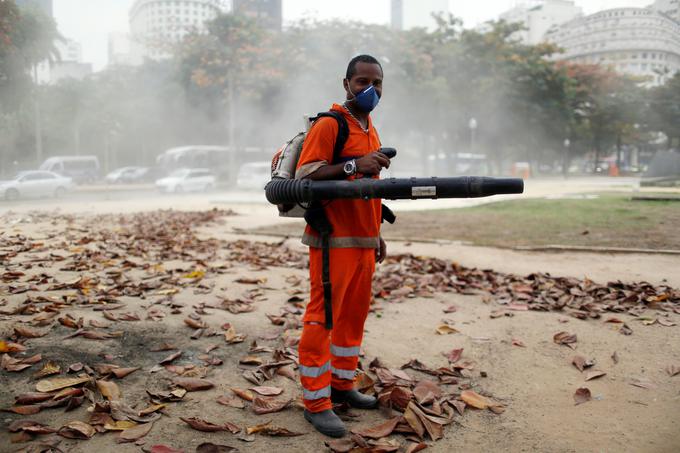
(343, 131)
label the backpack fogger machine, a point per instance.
(294, 191)
(289, 195)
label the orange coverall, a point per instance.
(329, 357)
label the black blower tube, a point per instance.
(281, 191)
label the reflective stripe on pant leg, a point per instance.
(314, 366)
(316, 394)
(314, 371)
(340, 351)
(343, 374)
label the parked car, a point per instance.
(82, 169)
(35, 184)
(187, 180)
(254, 175)
(127, 175)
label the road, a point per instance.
(140, 198)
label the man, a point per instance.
(328, 358)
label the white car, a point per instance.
(35, 184)
(126, 175)
(187, 180)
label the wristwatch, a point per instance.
(350, 167)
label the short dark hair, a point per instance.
(352, 66)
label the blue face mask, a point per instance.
(367, 100)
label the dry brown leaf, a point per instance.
(565, 338)
(31, 427)
(28, 333)
(135, 433)
(594, 374)
(267, 391)
(344, 445)
(120, 373)
(48, 369)
(8, 346)
(268, 430)
(582, 395)
(243, 394)
(400, 397)
(118, 425)
(77, 430)
(231, 401)
(475, 400)
(193, 384)
(581, 362)
(454, 355)
(208, 447)
(202, 425)
(170, 358)
(109, 390)
(49, 385)
(263, 406)
(29, 409)
(378, 431)
(32, 398)
(445, 329)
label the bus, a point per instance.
(219, 159)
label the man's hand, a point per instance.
(372, 163)
(381, 252)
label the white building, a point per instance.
(158, 24)
(636, 41)
(538, 17)
(407, 14)
(671, 8)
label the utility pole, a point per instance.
(232, 127)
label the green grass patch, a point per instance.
(609, 220)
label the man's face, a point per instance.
(365, 75)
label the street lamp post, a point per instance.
(565, 160)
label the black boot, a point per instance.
(354, 398)
(326, 422)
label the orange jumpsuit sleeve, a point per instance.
(317, 149)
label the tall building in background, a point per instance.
(43, 5)
(636, 41)
(538, 17)
(407, 14)
(267, 12)
(671, 8)
(156, 25)
(70, 64)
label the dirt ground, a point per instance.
(536, 383)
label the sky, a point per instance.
(90, 21)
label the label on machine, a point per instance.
(424, 191)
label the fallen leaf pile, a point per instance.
(407, 275)
(127, 270)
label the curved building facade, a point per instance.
(636, 41)
(154, 24)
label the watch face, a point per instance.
(349, 167)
